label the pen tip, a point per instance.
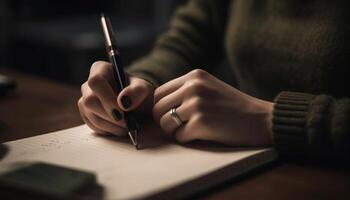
(102, 15)
(132, 138)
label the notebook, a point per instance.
(161, 169)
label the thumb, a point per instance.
(134, 95)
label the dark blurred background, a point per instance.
(61, 39)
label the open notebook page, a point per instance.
(128, 173)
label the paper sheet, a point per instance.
(123, 171)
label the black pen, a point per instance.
(119, 75)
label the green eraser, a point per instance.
(45, 180)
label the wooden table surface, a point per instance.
(39, 105)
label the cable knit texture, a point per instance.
(291, 51)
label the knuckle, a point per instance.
(200, 119)
(95, 80)
(89, 100)
(83, 87)
(79, 103)
(97, 65)
(157, 94)
(196, 87)
(138, 87)
(199, 74)
(198, 104)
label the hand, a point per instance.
(101, 106)
(212, 110)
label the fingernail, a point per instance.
(126, 101)
(116, 115)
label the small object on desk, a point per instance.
(119, 75)
(6, 84)
(43, 180)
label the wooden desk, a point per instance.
(39, 106)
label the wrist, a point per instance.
(268, 121)
(264, 127)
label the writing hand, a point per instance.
(101, 105)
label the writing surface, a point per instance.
(125, 172)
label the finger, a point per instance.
(103, 90)
(168, 88)
(94, 128)
(86, 120)
(168, 124)
(190, 131)
(195, 129)
(96, 108)
(187, 109)
(133, 95)
(92, 104)
(104, 69)
(172, 100)
(174, 84)
(104, 125)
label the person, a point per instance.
(289, 59)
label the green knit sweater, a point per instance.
(292, 52)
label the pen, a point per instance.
(119, 75)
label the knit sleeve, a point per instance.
(194, 40)
(312, 127)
